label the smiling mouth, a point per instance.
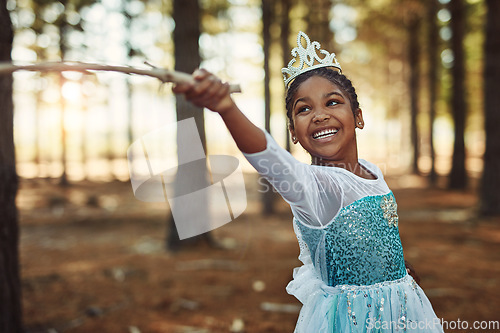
(325, 133)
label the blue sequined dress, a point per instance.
(353, 277)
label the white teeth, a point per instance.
(325, 133)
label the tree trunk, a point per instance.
(414, 62)
(186, 15)
(128, 87)
(433, 77)
(187, 56)
(10, 288)
(37, 132)
(285, 47)
(63, 27)
(458, 175)
(318, 27)
(267, 13)
(490, 189)
(83, 133)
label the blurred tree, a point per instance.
(318, 19)
(41, 55)
(186, 14)
(285, 47)
(214, 18)
(131, 52)
(62, 25)
(386, 61)
(37, 26)
(64, 16)
(128, 15)
(10, 287)
(433, 78)
(490, 183)
(267, 17)
(458, 175)
(414, 46)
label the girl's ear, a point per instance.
(358, 118)
(292, 133)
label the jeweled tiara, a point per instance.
(307, 56)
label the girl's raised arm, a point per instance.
(292, 179)
(209, 92)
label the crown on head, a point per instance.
(307, 56)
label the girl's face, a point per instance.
(324, 122)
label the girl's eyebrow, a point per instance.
(303, 99)
(334, 93)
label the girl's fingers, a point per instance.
(186, 87)
(224, 91)
(216, 92)
(182, 88)
(200, 74)
(214, 87)
(207, 90)
(203, 86)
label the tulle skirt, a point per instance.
(392, 306)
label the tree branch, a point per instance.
(164, 75)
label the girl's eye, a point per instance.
(303, 109)
(332, 103)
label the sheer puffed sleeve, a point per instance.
(314, 194)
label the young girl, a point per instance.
(354, 277)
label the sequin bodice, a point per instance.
(361, 246)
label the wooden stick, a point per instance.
(164, 75)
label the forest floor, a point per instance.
(93, 259)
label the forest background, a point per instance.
(426, 73)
